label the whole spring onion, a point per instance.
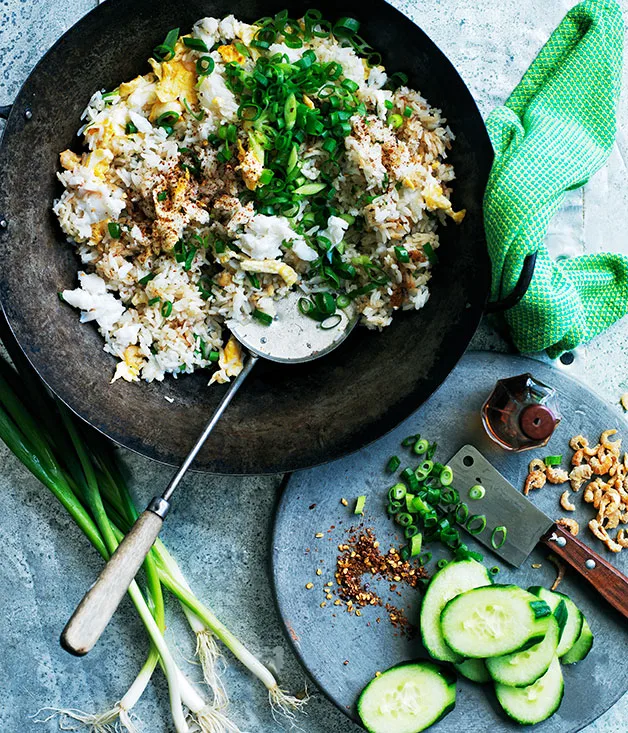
(78, 467)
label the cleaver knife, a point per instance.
(503, 505)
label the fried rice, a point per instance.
(170, 202)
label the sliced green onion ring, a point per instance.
(477, 492)
(496, 541)
(476, 524)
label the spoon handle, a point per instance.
(100, 602)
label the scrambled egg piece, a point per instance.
(98, 162)
(231, 54)
(129, 369)
(69, 160)
(176, 81)
(273, 267)
(251, 164)
(229, 362)
(435, 199)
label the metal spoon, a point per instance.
(291, 338)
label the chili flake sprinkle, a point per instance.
(361, 559)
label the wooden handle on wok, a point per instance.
(609, 582)
(101, 601)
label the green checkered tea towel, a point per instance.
(555, 130)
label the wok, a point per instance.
(287, 417)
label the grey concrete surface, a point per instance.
(219, 527)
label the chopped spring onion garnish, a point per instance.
(262, 317)
(397, 492)
(407, 112)
(393, 464)
(416, 542)
(410, 478)
(553, 460)
(450, 496)
(476, 524)
(147, 278)
(410, 531)
(498, 537)
(152, 301)
(165, 50)
(162, 195)
(360, 503)
(446, 476)
(130, 128)
(395, 120)
(214, 356)
(167, 119)
(394, 507)
(462, 513)
(342, 301)
(494, 570)
(388, 104)
(401, 253)
(477, 492)
(114, 230)
(205, 65)
(166, 308)
(420, 446)
(441, 563)
(425, 557)
(195, 43)
(404, 519)
(198, 116)
(430, 254)
(331, 322)
(424, 469)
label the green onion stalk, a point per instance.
(82, 474)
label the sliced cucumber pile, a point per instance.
(582, 646)
(492, 621)
(407, 698)
(453, 579)
(503, 634)
(523, 668)
(535, 703)
(573, 623)
(474, 670)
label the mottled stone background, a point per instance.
(219, 528)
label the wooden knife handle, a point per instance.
(606, 579)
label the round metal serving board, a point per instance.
(343, 652)
(288, 417)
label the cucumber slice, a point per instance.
(407, 698)
(474, 670)
(493, 621)
(573, 624)
(522, 669)
(453, 579)
(533, 704)
(582, 646)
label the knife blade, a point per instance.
(528, 526)
(503, 506)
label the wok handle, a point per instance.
(101, 601)
(520, 289)
(609, 582)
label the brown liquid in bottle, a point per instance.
(521, 413)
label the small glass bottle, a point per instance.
(521, 413)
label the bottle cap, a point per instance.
(537, 422)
